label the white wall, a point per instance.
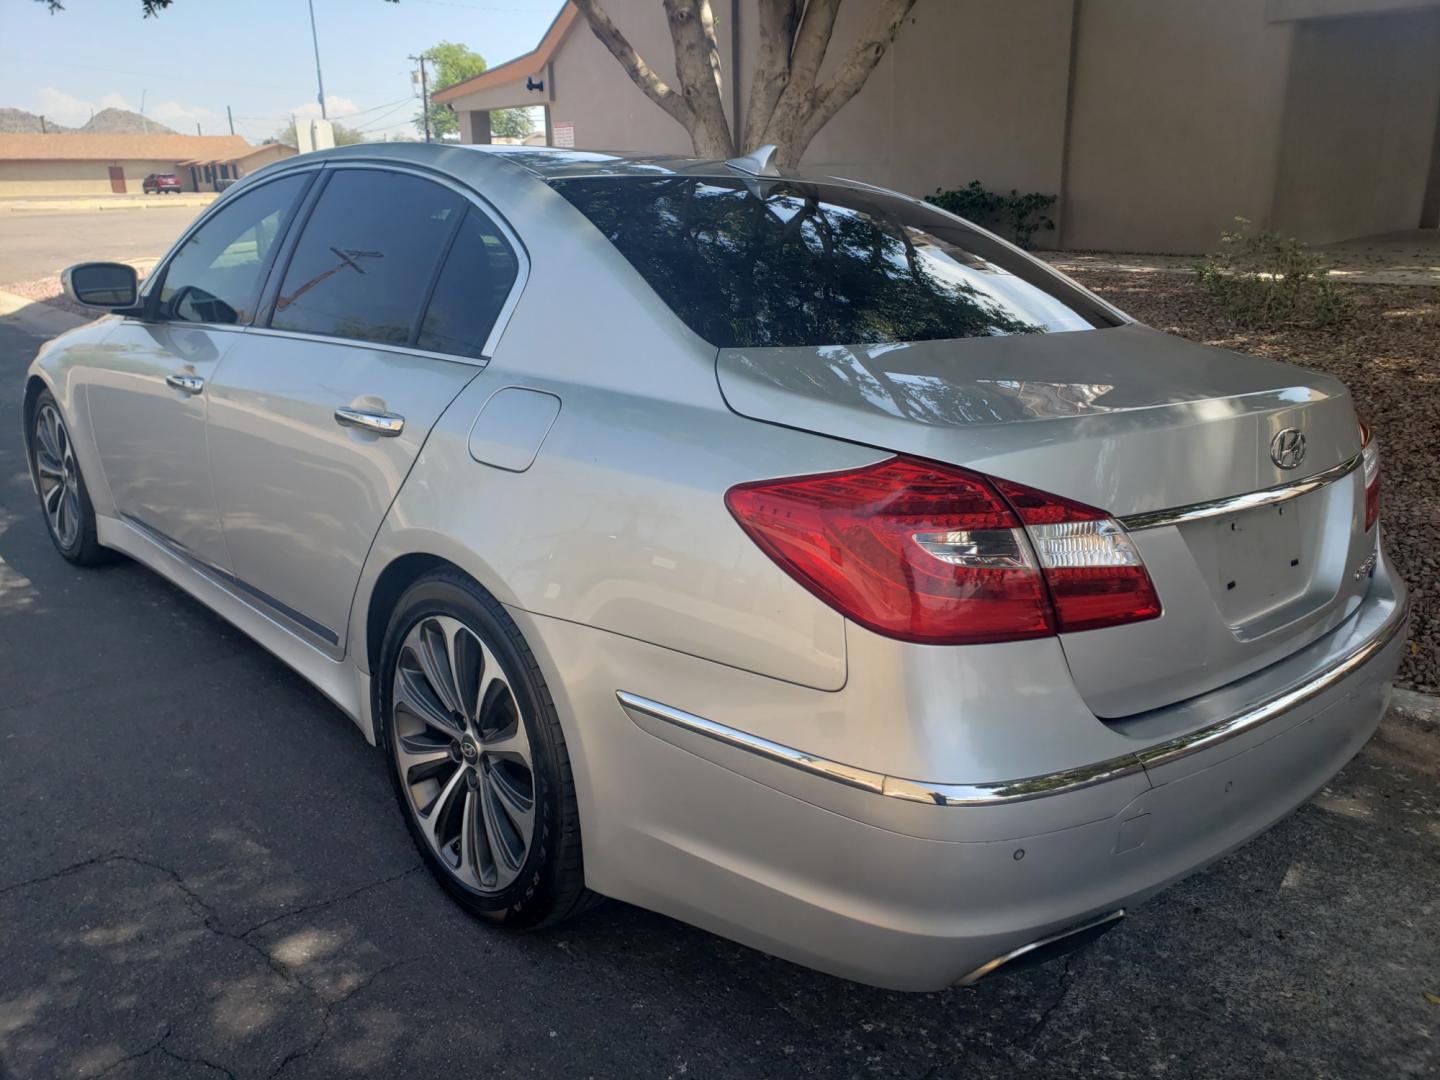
(1360, 124)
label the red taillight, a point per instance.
(934, 554)
(1370, 457)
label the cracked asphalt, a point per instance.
(202, 873)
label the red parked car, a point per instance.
(160, 183)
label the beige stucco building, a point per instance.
(1156, 122)
(75, 163)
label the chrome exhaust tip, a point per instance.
(1046, 948)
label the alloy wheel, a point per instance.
(462, 753)
(58, 475)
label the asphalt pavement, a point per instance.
(203, 873)
(38, 243)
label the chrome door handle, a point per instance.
(381, 423)
(186, 384)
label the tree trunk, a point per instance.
(697, 69)
(788, 104)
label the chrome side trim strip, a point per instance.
(1030, 787)
(848, 775)
(1265, 497)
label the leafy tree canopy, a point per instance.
(455, 63)
(344, 136)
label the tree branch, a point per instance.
(697, 68)
(850, 76)
(779, 19)
(639, 71)
(797, 99)
(812, 40)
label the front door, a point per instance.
(148, 407)
(315, 423)
(117, 180)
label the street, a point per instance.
(36, 243)
(204, 873)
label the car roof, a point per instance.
(546, 163)
(557, 163)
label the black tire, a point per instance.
(79, 546)
(549, 885)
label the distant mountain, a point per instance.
(104, 122)
(20, 122)
(122, 122)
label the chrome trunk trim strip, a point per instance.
(1030, 787)
(1265, 497)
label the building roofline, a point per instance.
(527, 64)
(107, 146)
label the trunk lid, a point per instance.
(1134, 422)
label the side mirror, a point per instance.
(102, 285)
(191, 304)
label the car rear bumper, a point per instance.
(782, 850)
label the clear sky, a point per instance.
(253, 55)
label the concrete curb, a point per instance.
(1422, 710)
(1070, 263)
(36, 317)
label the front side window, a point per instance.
(366, 257)
(771, 263)
(216, 276)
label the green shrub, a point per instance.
(1263, 280)
(1018, 217)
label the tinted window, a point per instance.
(750, 263)
(473, 285)
(216, 276)
(366, 257)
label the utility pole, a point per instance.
(197, 127)
(320, 82)
(144, 123)
(424, 93)
(43, 129)
(230, 116)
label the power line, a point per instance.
(482, 7)
(375, 121)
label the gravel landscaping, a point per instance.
(1388, 353)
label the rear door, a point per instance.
(381, 316)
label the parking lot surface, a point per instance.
(202, 873)
(37, 243)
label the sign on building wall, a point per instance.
(562, 133)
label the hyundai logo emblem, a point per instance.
(1287, 448)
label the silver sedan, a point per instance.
(781, 554)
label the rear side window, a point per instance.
(215, 277)
(367, 256)
(474, 283)
(757, 263)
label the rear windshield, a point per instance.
(770, 263)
